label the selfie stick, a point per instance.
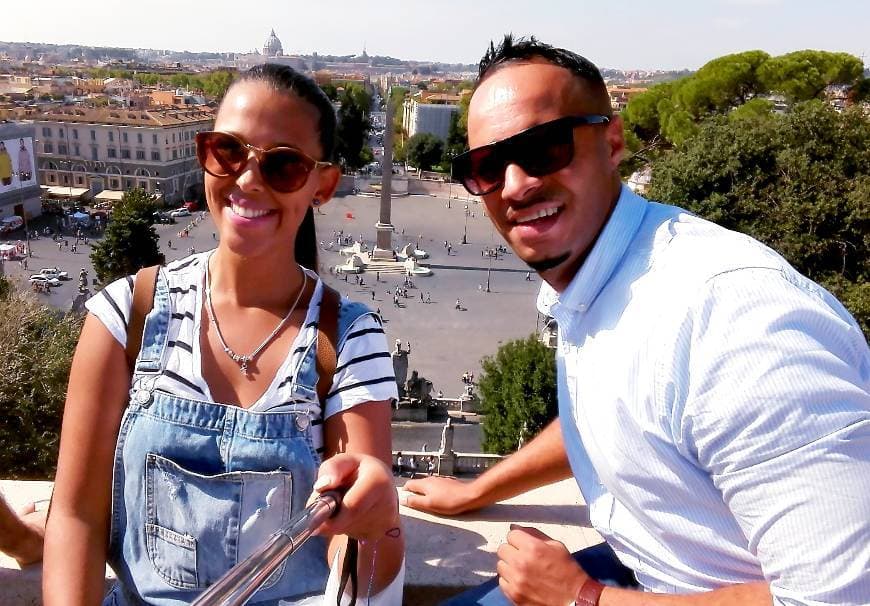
(242, 580)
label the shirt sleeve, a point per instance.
(112, 307)
(778, 414)
(364, 370)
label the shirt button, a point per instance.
(582, 307)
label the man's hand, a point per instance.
(439, 495)
(24, 532)
(535, 570)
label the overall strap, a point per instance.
(327, 342)
(143, 302)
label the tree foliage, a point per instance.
(798, 182)
(129, 242)
(424, 150)
(803, 75)
(37, 345)
(353, 125)
(518, 393)
(457, 135)
(673, 109)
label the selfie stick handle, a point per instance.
(242, 580)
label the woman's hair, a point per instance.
(285, 79)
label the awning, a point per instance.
(108, 195)
(60, 191)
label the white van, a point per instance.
(10, 224)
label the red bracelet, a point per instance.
(589, 594)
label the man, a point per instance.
(21, 532)
(714, 404)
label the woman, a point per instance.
(223, 434)
(25, 168)
(5, 166)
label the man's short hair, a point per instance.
(523, 50)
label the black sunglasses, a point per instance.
(539, 150)
(284, 169)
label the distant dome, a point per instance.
(272, 47)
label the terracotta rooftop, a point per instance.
(160, 116)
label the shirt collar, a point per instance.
(602, 260)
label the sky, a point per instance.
(631, 34)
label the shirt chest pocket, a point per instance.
(198, 526)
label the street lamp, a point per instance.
(450, 188)
(24, 215)
(489, 268)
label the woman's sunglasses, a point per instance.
(539, 151)
(284, 169)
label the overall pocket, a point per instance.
(198, 526)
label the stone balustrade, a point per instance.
(444, 555)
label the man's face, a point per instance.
(551, 221)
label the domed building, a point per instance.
(272, 47)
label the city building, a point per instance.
(620, 95)
(430, 114)
(118, 149)
(272, 47)
(19, 186)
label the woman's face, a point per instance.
(265, 118)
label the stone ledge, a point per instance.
(444, 555)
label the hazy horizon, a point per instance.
(666, 35)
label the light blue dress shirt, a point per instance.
(721, 410)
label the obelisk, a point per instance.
(384, 247)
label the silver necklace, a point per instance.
(244, 360)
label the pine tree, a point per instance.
(518, 391)
(129, 242)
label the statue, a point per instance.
(418, 388)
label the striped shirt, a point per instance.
(716, 411)
(364, 368)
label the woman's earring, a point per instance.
(315, 202)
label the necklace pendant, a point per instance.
(244, 365)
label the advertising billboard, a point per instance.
(17, 166)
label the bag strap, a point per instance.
(349, 571)
(143, 302)
(327, 342)
(327, 358)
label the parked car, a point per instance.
(181, 212)
(39, 278)
(164, 218)
(54, 272)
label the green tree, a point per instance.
(799, 183)
(330, 91)
(129, 242)
(673, 109)
(641, 115)
(424, 150)
(803, 75)
(37, 346)
(353, 126)
(457, 136)
(518, 393)
(216, 83)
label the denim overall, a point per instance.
(198, 486)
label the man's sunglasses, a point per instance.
(539, 151)
(284, 169)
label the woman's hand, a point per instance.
(370, 507)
